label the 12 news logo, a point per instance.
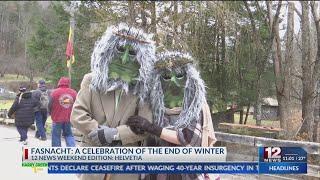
(272, 154)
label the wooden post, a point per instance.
(247, 114)
(241, 115)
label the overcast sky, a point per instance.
(284, 13)
(284, 16)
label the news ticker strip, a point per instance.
(177, 168)
(124, 154)
(272, 160)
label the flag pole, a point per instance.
(72, 23)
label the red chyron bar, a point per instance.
(25, 154)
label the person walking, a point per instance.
(22, 111)
(41, 112)
(60, 105)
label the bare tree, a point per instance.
(316, 18)
(154, 21)
(282, 68)
(285, 103)
(143, 15)
(131, 11)
(272, 22)
(309, 75)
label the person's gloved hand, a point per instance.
(137, 130)
(103, 136)
(139, 125)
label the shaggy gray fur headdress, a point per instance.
(194, 91)
(105, 50)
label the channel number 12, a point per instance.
(272, 152)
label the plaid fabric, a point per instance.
(189, 136)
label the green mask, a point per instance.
(173, 86)
(124, 66)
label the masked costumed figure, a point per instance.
(176, 83)
(121, 63)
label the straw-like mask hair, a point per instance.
(105, 51)
(194, 89)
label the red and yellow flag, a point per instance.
(69, 50)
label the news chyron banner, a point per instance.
(282, 160)
(173, 160)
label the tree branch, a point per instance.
(272, 27)
(250, 17)
(314, 13)
(297, 11)
(276, 18)
(261, 12)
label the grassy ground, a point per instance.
(6, 104)
(13, 77)
(252, 121)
